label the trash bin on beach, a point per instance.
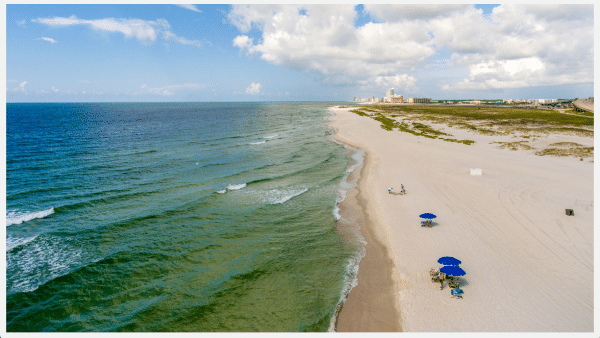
(569, 212)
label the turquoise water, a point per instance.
(174, 217)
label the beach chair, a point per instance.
(456, 292)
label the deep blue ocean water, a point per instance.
(174, 217)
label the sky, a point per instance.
(221, 53)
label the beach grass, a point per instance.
(514, 145)
(567, 149)
(483, 120)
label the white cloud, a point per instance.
(190, 7)
(401, 83)
(48, 39)
(514, 46)
(167, 35)
(168, 90)
(395, 13)
(244, 43)
(21, 87)
(253, 89)
(144, 31)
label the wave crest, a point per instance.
(17, 217)
(236, 186)
(276, 196)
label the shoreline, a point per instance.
(375, 286)
(508, 226)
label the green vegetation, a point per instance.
(567, 149)
(358, 112)
(386, 123)
(425, 129)
(499, 120)
(583, 113)
(467, 142)
(514, 145)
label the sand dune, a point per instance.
(529, 266)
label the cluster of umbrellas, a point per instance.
(451, 267)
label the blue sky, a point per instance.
(97, 53)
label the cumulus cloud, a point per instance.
(515, 46)
(190, 7)
(144, 31)
(48, 39)
(253, 89)
(404, 82)
(394, 13)
(20, 88)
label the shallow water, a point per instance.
(174, 217)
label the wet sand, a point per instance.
(370, 306)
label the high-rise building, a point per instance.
(390, 94)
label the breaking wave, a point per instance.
(17, 217)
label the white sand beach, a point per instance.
(529, 266)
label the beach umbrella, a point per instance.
(427, 216)
(452, 270)
(447, 260)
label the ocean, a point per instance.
(175, 217)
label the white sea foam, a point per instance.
(277, 196)
(351, 279)
(259, 142)
(236, 186)
(12, 243)
(336, 212)
(18, 217)
(358, 157)
(45, 258)
(272, 136)
(222, 191)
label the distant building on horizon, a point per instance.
(397, 99)
(389, 95)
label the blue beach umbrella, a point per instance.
(453, 271)
(447, 260)
(427, 216)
